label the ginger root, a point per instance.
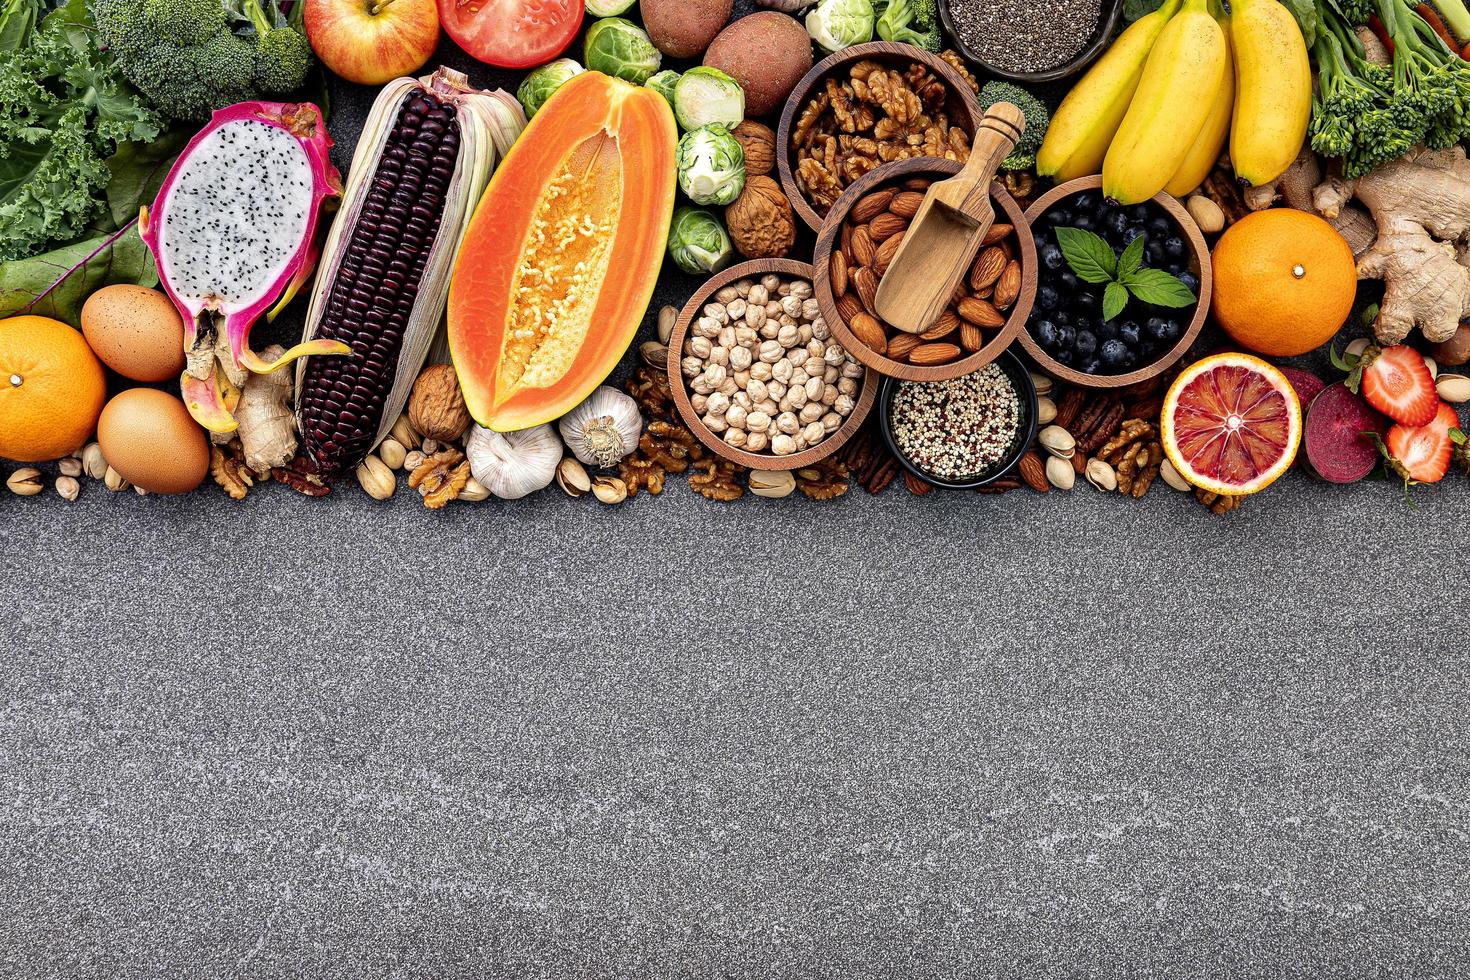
(267, 428)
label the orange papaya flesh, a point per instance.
(561, 256)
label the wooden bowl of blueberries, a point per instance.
(1122, 291)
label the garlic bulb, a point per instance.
(513, 464)
(604, 428)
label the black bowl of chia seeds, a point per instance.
(962, 433)
(1029, 42)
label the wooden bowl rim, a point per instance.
(878, 51)
(1015, 324)
(1186, 340)
(1107, 23)
(755, 268)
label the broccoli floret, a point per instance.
(913, 22)
(1037, 119)
(191, 57)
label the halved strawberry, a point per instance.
(1397, 382)
(1422, 453)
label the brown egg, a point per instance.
(135, 331)
(149, 438)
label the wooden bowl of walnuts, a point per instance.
(743, 368)
(840, 114)
(860, 237)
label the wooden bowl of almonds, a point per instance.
(860, 237)
(757, 374)
(865, 106)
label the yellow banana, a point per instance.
(1084, 124)
(1273, 80)
(1201, 158)
(1174, 97)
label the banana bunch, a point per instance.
(1155, 111)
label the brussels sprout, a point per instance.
(707, 95)
(537, 87)
(711, 165)
(609, 8)
(838, 24)
(663, 83)
(615, 46)
(697, 241)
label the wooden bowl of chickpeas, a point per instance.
(743, 368)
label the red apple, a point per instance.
(372, 41)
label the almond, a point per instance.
(996, 233)
(886, 225)
(864, 252)
(970, 338)
(917, 184)
(989, 265)
(870, 206)
(845, 240)
(837, 274)
(929, 354)
(906, 205)
(886, 252)
(865, 281)
(1032, 470)
(1008, 286)
(849, 306)
(980, 312)
(942, 327)
(869, 332)
(900, 347)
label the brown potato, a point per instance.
(683, 28)
(767, 53)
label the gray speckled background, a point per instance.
(1030, 736)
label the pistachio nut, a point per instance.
(1453, 388)
(666, 319)
(572, 477)
(1101, 474)
(114, 480)
(772, 483)
(25, 482)
(1433, 366)
(140, 491)
(474, 491)
(1171, 476)
(1041, 382)
(1046, 410)
(392, 453)
(1356, 347)
(69, 466)
(68, 488)
(654, 354)
(1057, 441)
(610, 490)
(93, 462)
(375, 478)
(403, 432)
(1059, 473)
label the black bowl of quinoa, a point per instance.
(1028, 42)
(963, 433)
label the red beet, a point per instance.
(1337, 449)
(1306, 384)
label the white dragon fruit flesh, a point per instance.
(234, 228)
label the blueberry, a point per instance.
(1062, 318)
(1172, 331)
(1128, 333)
(1091, 366)
(1082, 322)
(1148, 348)
(1087, 201)
(1107, 330)
(1159, 227)
(1116, 223)
(1191, 281)
(1174, 247)
(1156, 328)
(1047, 298)
(1113, 353)
(1068, 280)
(1051, 257)
(1138, 214)
(1046, 334)
(1130, 360)
(1085, 222)
(1063, 356)
(1059, 217)
(1086, 300)
(1084, 343)
(1154, 252)
(1133, 232)
(1066, 336)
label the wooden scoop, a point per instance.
(945, 234)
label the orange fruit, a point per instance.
(1284, 282)
(51, 389)
(1231, 424)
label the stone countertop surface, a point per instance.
(1052, 735)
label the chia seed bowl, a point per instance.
(1014, 22)
(1007, 453)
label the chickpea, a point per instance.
(771, 281)
(700, 403)
(727, 296)
(783, 445)
(735, 417)
(756, 441)
(814, 432)
(718, 403)
(741, 398)
(771, 351)
(814, 388)
(775, 389)
(757, 421)
(743, 287)
(740, 358)
(829, 396)
(735, 306)
(786, 422)
(760, 371)
(714, 423)
(847, 386)
(758, 295)
(787, 335)
(720, 355)
(831, 422)
(707, 326)
(726, 337)
(735, 437)
(782, 370)
(716, 311)
(843, 405)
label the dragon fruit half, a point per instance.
(232, 229)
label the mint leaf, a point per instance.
(1115, 297)
(1132, 258)
(1157, 288)
(1090, 257)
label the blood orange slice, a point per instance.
(1231, 424)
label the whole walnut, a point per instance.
(436, 407)
(760, 221)
(759, 144)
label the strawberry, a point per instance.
(1422, 453)
(1397, 382)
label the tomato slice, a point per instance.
(512, 33)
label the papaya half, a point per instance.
(560, 259)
